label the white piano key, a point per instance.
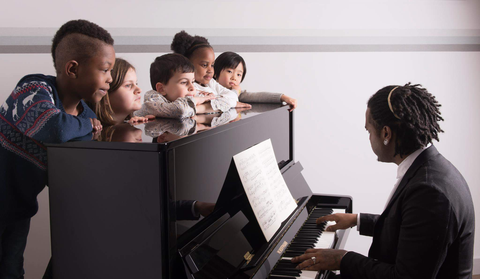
(338, 210)
(325, 241)
(307, 274)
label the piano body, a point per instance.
(118, 208)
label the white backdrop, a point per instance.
(332, 87)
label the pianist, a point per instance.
(427, 227)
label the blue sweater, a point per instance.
(32, 115)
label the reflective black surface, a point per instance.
(164, 130)
(140, 188)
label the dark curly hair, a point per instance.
(229, 60)
(185, 44)
(82, 27)
(165, 66)
(413, 118)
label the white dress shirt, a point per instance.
(401, 170)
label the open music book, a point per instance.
(265, 187)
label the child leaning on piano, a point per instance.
(231, 69)
(123, 97)
(47, 109)
(173, 94)
(199, 51)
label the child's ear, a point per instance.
(71, 68)
(159, 87)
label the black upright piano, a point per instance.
(125, 204)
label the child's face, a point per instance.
(203, 60)
(93, 76)
(178, 86)
(231, 78)
(126, 99)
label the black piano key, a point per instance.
(310, 237)
(306, 238)
(286, 269)
(302, 246)
(300, 249)
(281, 277)
(286, 263)
(314, 231)
(293, 254)
(313, 226)
(286, 272)
(305, 241)
(307, 233)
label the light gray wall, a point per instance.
(330, 55)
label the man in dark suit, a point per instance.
(427, 228)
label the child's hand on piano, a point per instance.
(320, 259)
(140, 119)
(96, 124)
(290, 101)
(243, 105)
(205, 94)
(343, 221)
(202, 100)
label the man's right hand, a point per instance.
(343, 221)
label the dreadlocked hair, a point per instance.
(413, 118)
(185, 44)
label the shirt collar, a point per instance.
(405, 164)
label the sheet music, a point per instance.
(266, 190)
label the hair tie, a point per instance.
(194, 47)
(390, 104)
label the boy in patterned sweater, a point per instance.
(47, 109)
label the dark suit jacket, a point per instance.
(426, 230)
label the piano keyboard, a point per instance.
(309, 236)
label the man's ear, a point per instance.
(159, 87)
(386, 133)
(71, 69)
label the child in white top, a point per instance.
(173, 94)
(230, 70)
(200, 53)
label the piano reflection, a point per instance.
(136, 204)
